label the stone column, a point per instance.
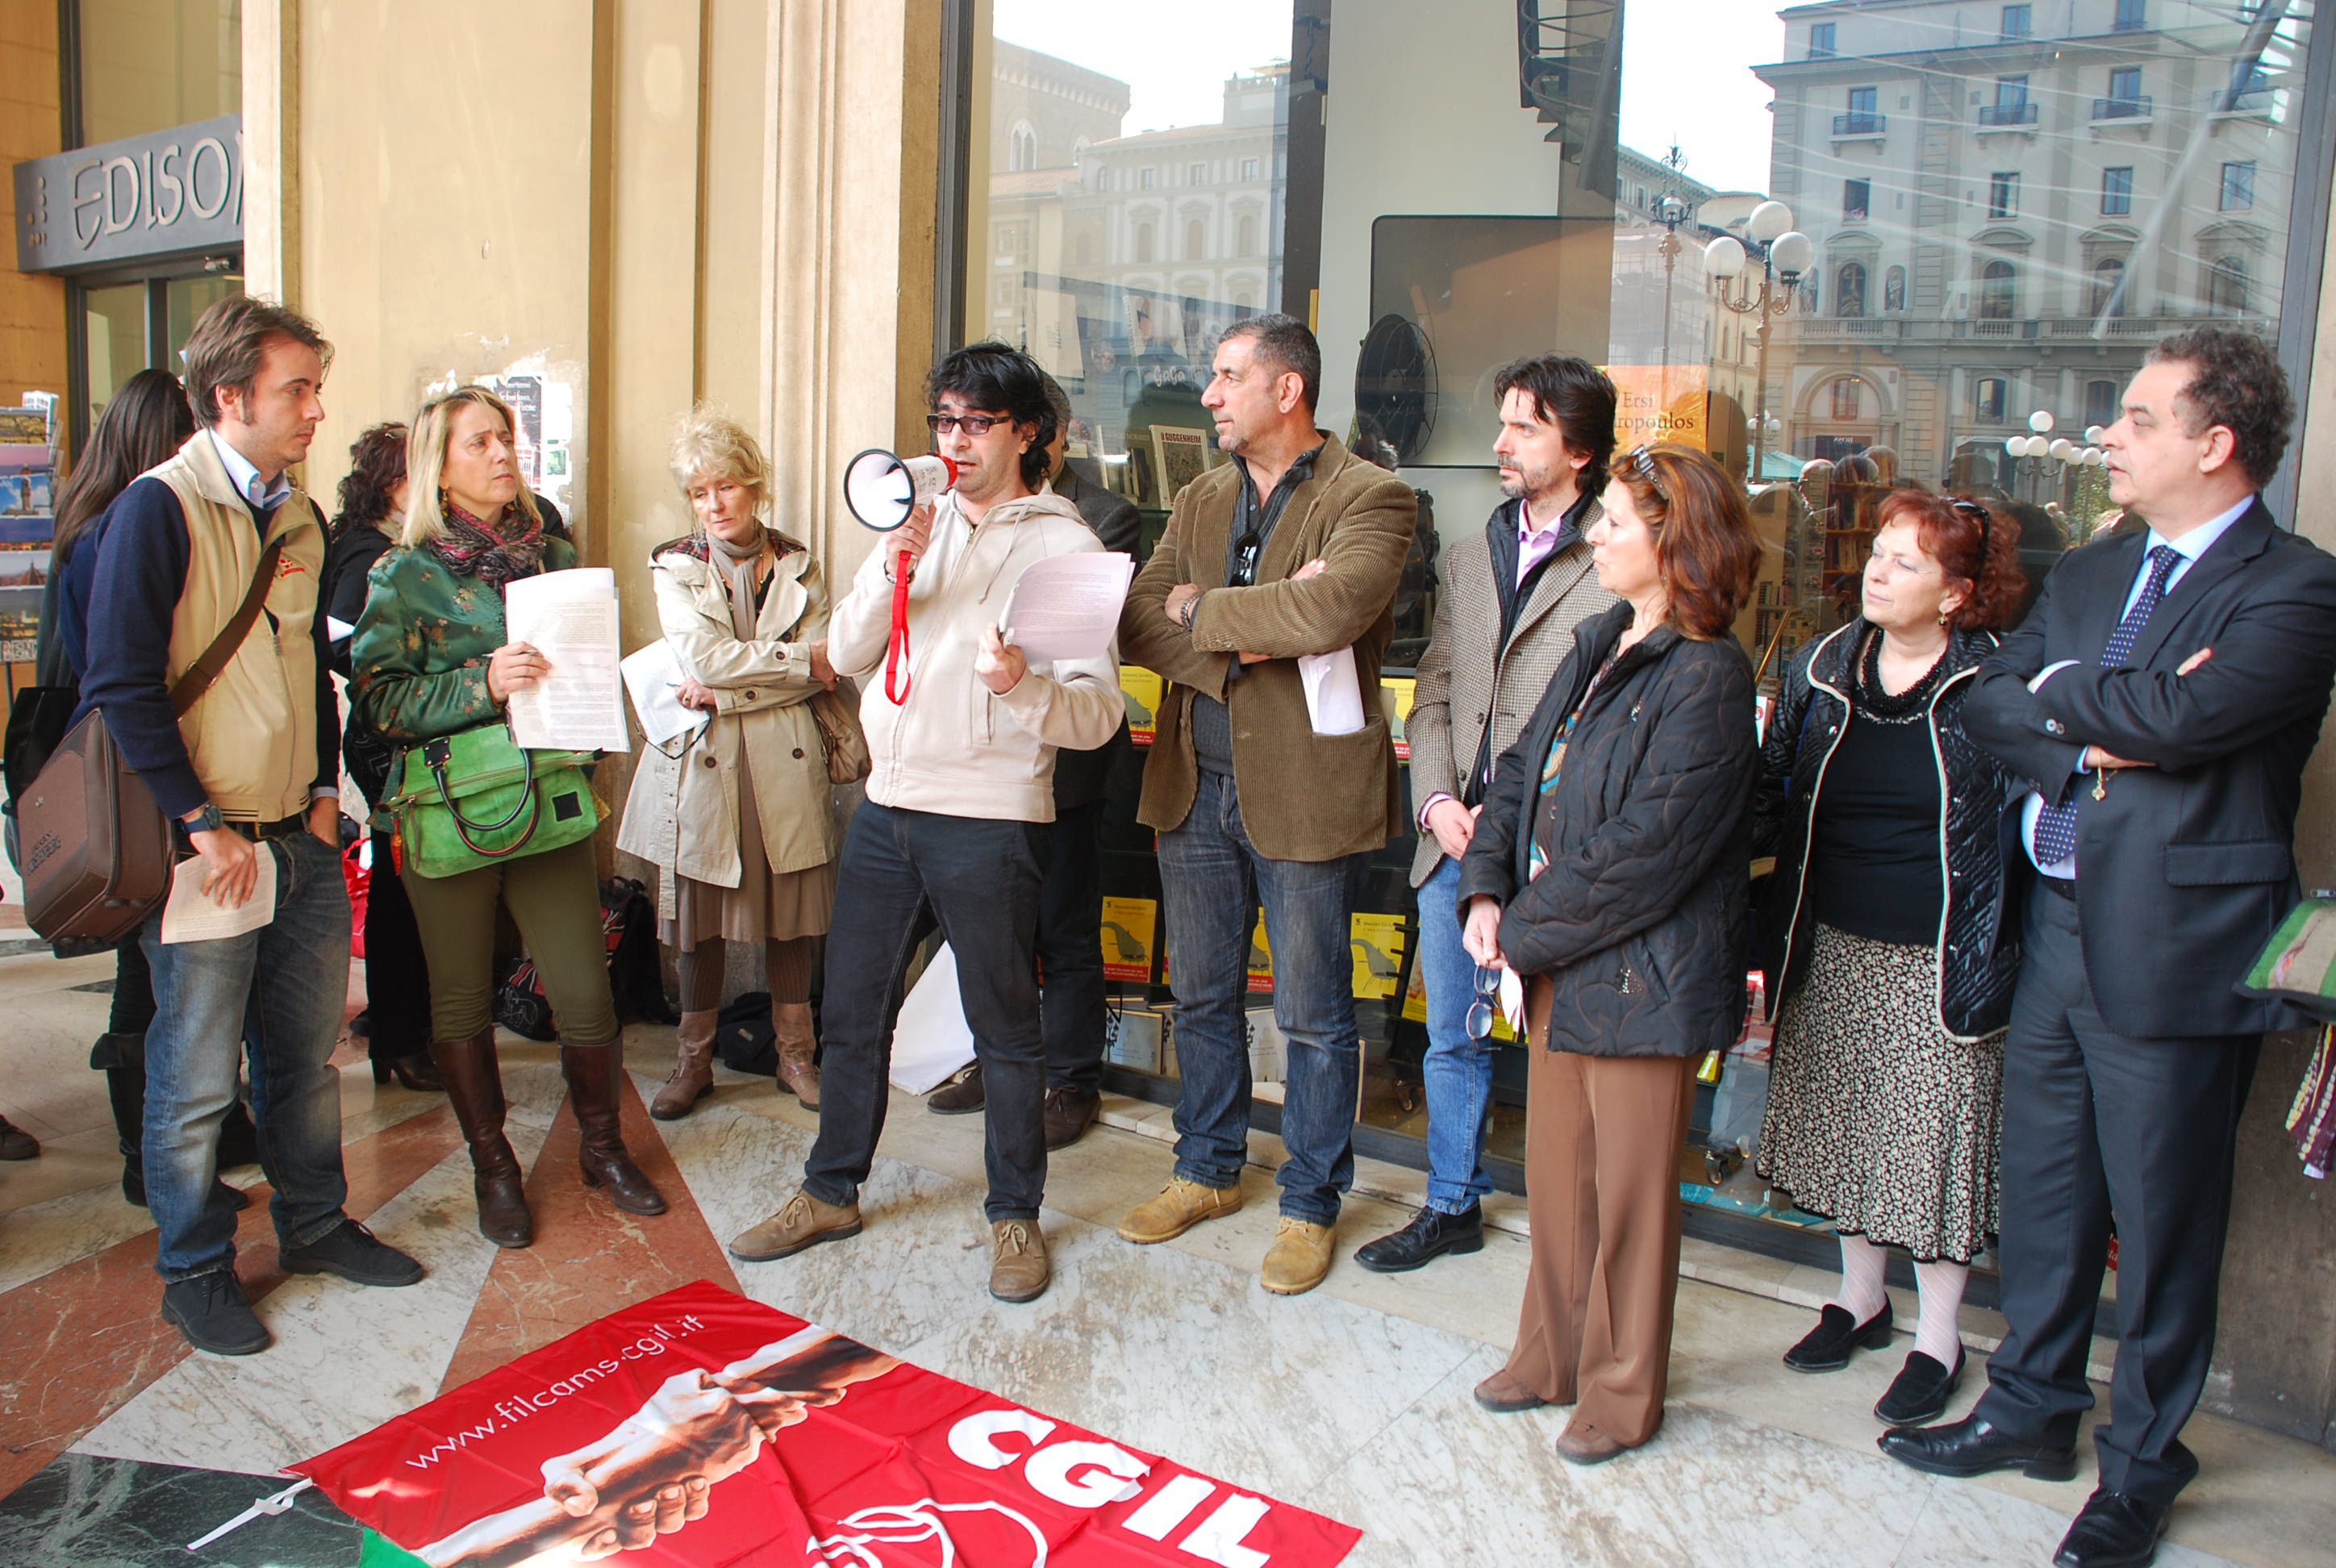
(271, 150)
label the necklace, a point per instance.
(1882, 706)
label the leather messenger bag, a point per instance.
(97, 851)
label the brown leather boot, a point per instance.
(476, 1085)
(791, 1021)
(591, 1072)
(692, 1068)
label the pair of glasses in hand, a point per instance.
(1481, 1010)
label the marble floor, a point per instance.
(117, 1444)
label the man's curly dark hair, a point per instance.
(2235, 381)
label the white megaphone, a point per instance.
(882, 490)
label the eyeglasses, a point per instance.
(1641, 462)
(1480, 1011)
(1246, 549)
(1980, 513)
(974, 424)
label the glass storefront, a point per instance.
(1999, 210)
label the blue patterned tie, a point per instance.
(2055, 826)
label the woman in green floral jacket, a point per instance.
(431, 659)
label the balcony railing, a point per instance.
(2021, 113)
(2136, 107)
(1860, 124)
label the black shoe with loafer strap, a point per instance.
(1920, 1392)
(1826, 1347)
(1431, 1233)
(1967, 1447)
(2114, 1531)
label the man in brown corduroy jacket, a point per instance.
(1293, 550)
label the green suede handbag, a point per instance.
(477, 798)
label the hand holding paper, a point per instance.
(193, 915)
(654, 676)
(1067, 605)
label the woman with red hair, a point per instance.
(1889, 959)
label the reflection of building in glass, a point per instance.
(1116, 260)
(2006, 219)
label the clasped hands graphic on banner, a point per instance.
(778, 1442)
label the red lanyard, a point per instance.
(896, 650)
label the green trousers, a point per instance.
(554, 898)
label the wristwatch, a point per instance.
(206, 821)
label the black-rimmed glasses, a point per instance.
(974, 424)
(1246, 549)
(1480, 1011)
(1641, 462)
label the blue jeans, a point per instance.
(278, 993)
(1213, 881)
(1458, 1071)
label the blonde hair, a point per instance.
(425, 461)
(707, 441)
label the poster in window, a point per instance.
(1181, 455)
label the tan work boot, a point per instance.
(1299, 1258)
(693, 1070)
(803, 1221)
(1018, 1270)
(790, 1023)
(1181, 1206)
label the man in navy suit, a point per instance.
(2162, 698)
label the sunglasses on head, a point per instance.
(1641, 462)
(1979, 512)
(974, 424)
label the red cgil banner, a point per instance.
(702, 1429)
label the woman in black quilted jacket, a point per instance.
(1610, 869)
(1889, 961)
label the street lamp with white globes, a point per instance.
(1784, 255)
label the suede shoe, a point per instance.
(2114, 1531)
(1583, 1443)
(1069, 1114)
(1920, 1392)
(1826, 1347)
(351, 1251)
(1181, 1206)
(1299, 1258)
(1431, 1233)
(211, 1311)
(15, 1143)
(1018, 1270)
(1502, 1395)
(960, 1096)
(1967, 1447)
(803, 1221)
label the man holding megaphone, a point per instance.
(958, 804)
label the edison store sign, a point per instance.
(160, 194)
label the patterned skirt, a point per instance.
(1876, 1119)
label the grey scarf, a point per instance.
(738, 566)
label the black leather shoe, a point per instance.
(960, 1096)
(1971, 1447)
(1431, 1233)
(351, 1252)
(2114, 1531)
(1826, 1347)
(1920, 1392)
(210, 1309)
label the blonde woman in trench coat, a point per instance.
(736, 813)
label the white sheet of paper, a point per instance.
(1334, 697)
(1512, 999)
(653, 676)
(932, 1040)
(337, 628)
(571, 618)
(190, 916)
(1067, 605)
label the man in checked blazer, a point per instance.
(1504, 618)
(1291, 549)
(2162, 698)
